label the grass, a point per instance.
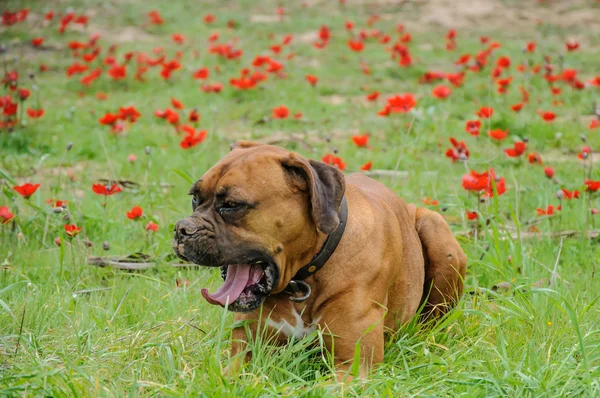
(148, 333)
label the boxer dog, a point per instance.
(301, 247)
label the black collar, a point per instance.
(320, 258)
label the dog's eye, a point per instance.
(229, 208)
(194, 202)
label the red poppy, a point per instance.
(49, 15)
(361, 141)
(471, 215)
(37, 41)
(549, 172)
(312, 80)
(201, 74)
(498, 134)
(209, 18)
(356, 45)
(135, 213)
(399, 104)
(463, 60)
(129, 113)
(367, 166)
(26, 190)
(118, 72)
(570, 194)
(5, 214)
(585, 153)
(483, 182)
(35, 113)
(57, 203)
(459, 150)
(571, 45)
(517, 107)
(591, 185)
(24, 94)
(72, 230)
(517, 150)
(155, 18)
(429, 202)
(151, 226)
(334, 160)
(176, 103)
(373, 96)
(485, 112)
(212, 88)
(595, 123)
(534, 157)
(548, 116)
(192, 138)
(281, 112)
(530, 47)
(472, 127)
(109, 119)
(106, 190)
(550, 210)
(178, 38)
(298, 115)
(194, 116)
(441, 92)
(524, 94)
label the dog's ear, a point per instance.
(325, 185)
(242, 144)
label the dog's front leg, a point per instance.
(240, 352)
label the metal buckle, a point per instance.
(295, 287)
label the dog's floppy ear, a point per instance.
(325, 185)
(242, 144)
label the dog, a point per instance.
(301, 247)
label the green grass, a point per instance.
(143, 334)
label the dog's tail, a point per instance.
(445, 263)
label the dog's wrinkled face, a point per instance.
(257, 215)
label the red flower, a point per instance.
(485, 112)
(549, 172)
(155, 18)
(312, 80)
(281, 112)
(356, 45)
(118, 72)
(530, 47)
(361, 141)
(548, 211)
(459, 150)
(178, 38)
(129, 113)
(35, 113)
(194, 116)
(498, 134)
(427, 201)
(518, 149)
(37, 41)
(367, 166)
(135, 213)
(399, 104)
(534, 157)
(592, 186)
(472, 215)
(5, 214)
(151, 226)
(201, 74)
(106, 190)
(463, 60)
(585, 152)
(484, 182)
(334, 160)
(176, 103)
(373, 96)
(472, 127)
(572, 45)
(595, 123)
(57, 203)
(26, 190)
(24, 94)
(517, 107)
(209, 18)
(548, 116)
(570, 194)
(192, 138)
(109, 119)
(441, 92)
(72, 230)
(503, 62)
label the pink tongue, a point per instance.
(235, 282)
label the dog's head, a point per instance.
(257, 214)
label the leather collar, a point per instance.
(319, 259)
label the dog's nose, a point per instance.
(185, 228)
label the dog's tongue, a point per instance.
(235, 282)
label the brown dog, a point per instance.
(264, 216)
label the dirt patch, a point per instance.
(258, 18)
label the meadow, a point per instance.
(487, 112)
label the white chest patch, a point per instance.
(299, 330)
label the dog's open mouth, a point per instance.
(246, 286)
